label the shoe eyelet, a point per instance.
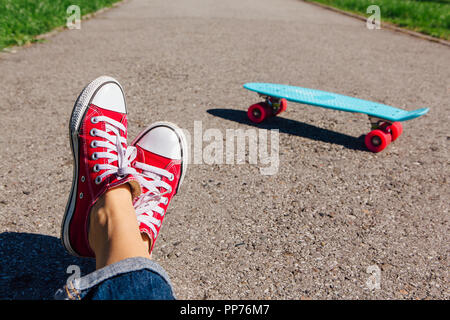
(93, 132)
(94, 120)
(171, 177)
(81, 195)
(98, 180)
(94, 144)
(83, 178)
(94, 156)
(96, 168)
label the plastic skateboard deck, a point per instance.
(385, 119)
(334, 101)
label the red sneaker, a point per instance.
(161, 164)
(98, 137)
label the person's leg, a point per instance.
(100, 220)
(118, 237)
(115, 232)
(113, 228)
(119, 196)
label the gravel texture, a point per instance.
(310, 231)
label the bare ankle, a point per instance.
(147, 240)
(114, 202)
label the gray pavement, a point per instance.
(312, 230)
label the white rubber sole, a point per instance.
(79, 110)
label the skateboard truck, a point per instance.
(277, 105)
(376, 123)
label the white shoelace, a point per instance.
(113, 144)
(150, 200)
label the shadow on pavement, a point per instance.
(34, 266)
(294, 127)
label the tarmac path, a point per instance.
(332, 212)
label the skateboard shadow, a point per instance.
(34, 266)
(294, 127)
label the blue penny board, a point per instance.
(334, 101)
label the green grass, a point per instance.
(22, 20)
(425, 16)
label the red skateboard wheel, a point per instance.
(396, 130)
(257, 112)
(376, 140)
(283, 106)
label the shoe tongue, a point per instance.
(119, 117)
(152, 159)
(155, 159)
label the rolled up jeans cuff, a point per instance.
(77, 289)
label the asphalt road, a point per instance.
(331, 213)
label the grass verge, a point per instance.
(431, 17)
(22, 20)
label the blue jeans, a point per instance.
(130, 279)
